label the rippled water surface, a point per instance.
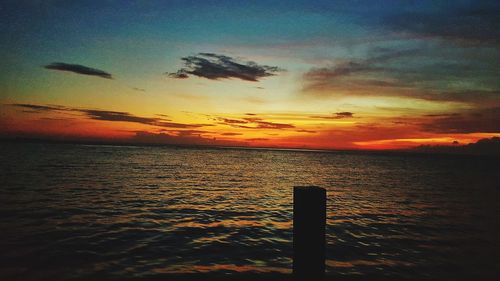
(77, 211)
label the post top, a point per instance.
(308, 188)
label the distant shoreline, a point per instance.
(419, 150)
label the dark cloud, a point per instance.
(231, 134)
(355, 76)
(338, 115)
(426, 74)
(180, 74)
(339, 70)
(39, 108)
(253, 123)
(215, 66)
(262, 124)
(127, 117)
(475, 96)
(465, 25)
(257, 139)
(114, 116)
(487, 146)
(80, 69)
(479, 121)
(179, 125)
(164, 117)
(344, 114)
(187, 138)
(442, 115)
(306, 131)
(377, 61)
(186, 133)
(138, 89)
(231, 121)
(55, 119)
(117, 116)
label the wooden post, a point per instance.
(309, 220)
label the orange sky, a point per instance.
(255, 76)
(291, 130)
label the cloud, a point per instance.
(117, 116)
(442, 115)
(164, 116)
(231, 134)
(376, 62)
(187, 138)
(105, 115)
(306, 131)
(345, 137)
(490, 146)
(357, 74)
(215, 67)
(39, 108)
(55, 119)
(338, 115)
(79, 69)
(478, 121)
(262, 124)
(179, 125)
(427, 73)
(180, 74)
(231, 121)
(114, 116)
(485, 97)
(186, 133)
(479, 25)
(257, 139)
(253, 123)
(339, 70)
(344, 114)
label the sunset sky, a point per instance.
(292, 74)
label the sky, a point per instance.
(288, 74)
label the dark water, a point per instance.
(82, 212)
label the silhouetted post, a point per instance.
(309, 219)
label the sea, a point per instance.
(97, 212)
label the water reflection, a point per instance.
(78, 211)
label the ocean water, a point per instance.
(84, 212)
